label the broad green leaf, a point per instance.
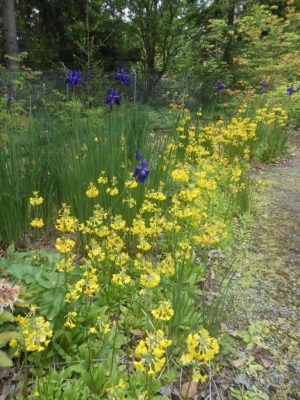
(5, 361)
(6, 336)
(22, 303)
(6, 316)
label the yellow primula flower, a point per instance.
(180, 175)
(35, 331)
(13, 343)
(164, 311)
(92, 191)
(150, 280)
(65, 222)
(37, 223)
(121, 278)
(36, 200)
(150, 353)
(71, 317)
(64, 245)
(131, 184)
(114, 191)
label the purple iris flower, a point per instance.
(220, 85)
(74, 78)
(141, 172)
(138, 155)
(260, 91)
(122, 75)
(10, 100)
(113, 98)
(290, 90)
(263, 83)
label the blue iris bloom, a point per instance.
(74, 78)
(220, 85)
(138, 155)
(290, 90)
(122, 75)
(113, 98)
(10, 100)
(260, 91)
(141, 172)
(263, 83)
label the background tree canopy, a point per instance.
(231, 40)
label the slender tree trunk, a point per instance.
(10, 32)
(230, 22)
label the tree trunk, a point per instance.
(230, 22)
(10, 32)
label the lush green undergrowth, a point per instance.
(125, 306)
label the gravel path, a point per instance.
(267, 292)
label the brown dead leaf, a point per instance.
(239, 362)
(262, 357)
(232, 333)
(189, 390)
(138, 332)
(266, 363)
(224, 328)
(281, 272)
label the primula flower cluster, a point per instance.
(164, 311)
(65, 222)
(37, 223)
(150, 353)
(35, 332)
(87, 286)
(275, 115)
(180, 175)
(92, 191)
(71, 318)
(201, 349)
(35, 201)
(64, 245)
